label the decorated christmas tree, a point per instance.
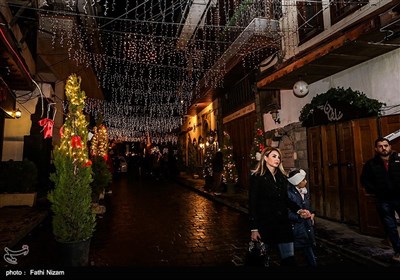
(73, 219)
(99, 142)
(208, 157)
(230, 174)
(258, 143)
(192, 157)
(209, 152)
(99, 155)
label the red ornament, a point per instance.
(262, 147)
(88, 163)
(259, 132)
(105, 157)
(47, 127)
(61, 131)
(76, 142)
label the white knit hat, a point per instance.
(297, 178)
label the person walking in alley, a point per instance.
(381, 176)
(303, 229)
(269, 203)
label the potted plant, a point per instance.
(339, 104)
(73, 219)
(101, 177)
(18, 182)
(99, 154)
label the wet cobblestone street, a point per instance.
(155, 224)
(158, 223)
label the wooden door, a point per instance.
(388, 125)
(315, 177)
(330, 167)
(337, 153)
(241, 131)
(365, 132)
(347, 174)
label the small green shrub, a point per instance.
(18, 176)
(101, 176)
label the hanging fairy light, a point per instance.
(150, 83)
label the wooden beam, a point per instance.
(19, 12)
(317, 53)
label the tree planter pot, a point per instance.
(17, 199)
(75, 254)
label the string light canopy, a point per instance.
(150, 55)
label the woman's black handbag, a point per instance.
(257, 254)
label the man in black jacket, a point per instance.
(381, 177)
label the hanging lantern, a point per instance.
(300, 88)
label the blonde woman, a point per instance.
(269, 204)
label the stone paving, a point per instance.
(341, 238)
(152, 223)
(17, 222)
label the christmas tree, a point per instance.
(99, 155)
(192, 157)
(230, 174)
(208, 157)
(258, 143)
(99, 142)
(73, 219)
(209, 152)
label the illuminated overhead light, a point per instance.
(300, 88)
(18, 113)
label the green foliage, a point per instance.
(73, 218)
(18, 176)
(101, 175)
(244, 6)
(229, 174)
(354, 98)
(209, 153)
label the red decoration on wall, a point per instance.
(47, 127)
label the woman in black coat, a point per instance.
(269, 204)
(303, 229)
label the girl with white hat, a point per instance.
(303, 230)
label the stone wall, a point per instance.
(292, 141)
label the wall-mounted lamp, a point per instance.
(17, 113)
(275, 116)
(300, 88)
